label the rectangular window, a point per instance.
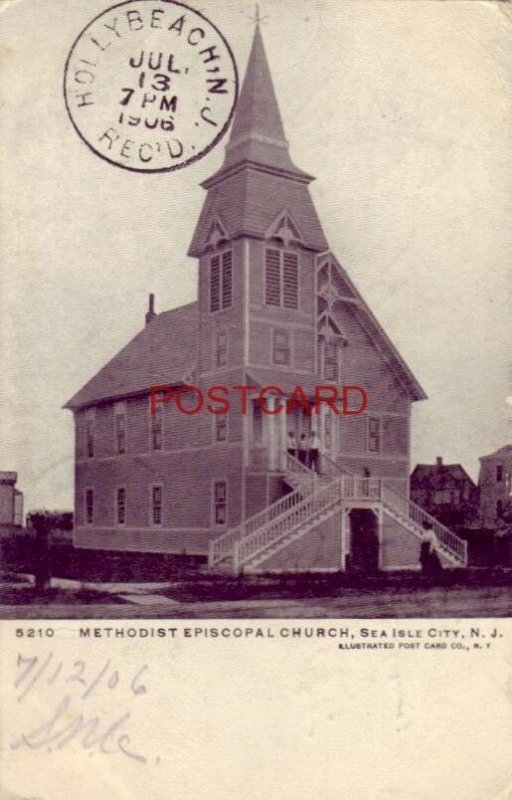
(221, 428)
(220, 502)
(374, 434)
(499, 508)
(499, 473)
(281, 347)
(89, 437)
(156, 505)
(257, 424)
(89, 506)
(156, 428)
(221, 281)
(331, 364)
(121, 506)
(221, 349)
(120, 432)
(281, 279)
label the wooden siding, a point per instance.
(256, 493)
(229, 319)
(318, 550)
(144, 540)
(365, 365)
(186, 478)
(400, 549)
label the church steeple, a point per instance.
(258, 180)
(258, 134)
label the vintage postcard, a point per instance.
(256, 477)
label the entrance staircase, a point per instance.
(315, 498)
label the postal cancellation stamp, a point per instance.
(150, 85)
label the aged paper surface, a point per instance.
(248, 604)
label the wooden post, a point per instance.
(272, 438)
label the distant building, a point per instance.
(495, 484)
(446, 491)
(11, 500)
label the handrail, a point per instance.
(260, 539)
(289, 512)
(223, 546)
(356, 487)
(294, 465)
(445, 538)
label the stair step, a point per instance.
(304, 484)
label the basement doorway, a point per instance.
(364, 541)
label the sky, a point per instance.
(400, 108)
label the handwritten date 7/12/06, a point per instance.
(72, 688)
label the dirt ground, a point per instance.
(441, 602)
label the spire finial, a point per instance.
(257, 19)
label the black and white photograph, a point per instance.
(255, 311)
(256, 462)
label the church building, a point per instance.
(274, 308)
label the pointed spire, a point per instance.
(257, 111)
(257, 133)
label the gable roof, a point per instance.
(161, 354)
(435, 475)
(374, 329)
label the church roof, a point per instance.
(257, 186)
(161, 354)
(258, 179)
(257, 133)
(247, 203)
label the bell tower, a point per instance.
(256, 241)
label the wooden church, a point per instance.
(274, 307)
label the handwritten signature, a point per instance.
(68, 722)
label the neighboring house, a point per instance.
(446, 491)
(11, 500)
(274, 307)
(495, 484)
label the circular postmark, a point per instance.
(150, 85)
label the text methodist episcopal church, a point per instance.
(274, 307)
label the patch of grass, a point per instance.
(214, 587)
(26, 595)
